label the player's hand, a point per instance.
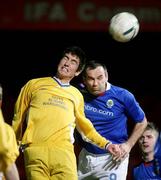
(125, 150)
(119, 153)
(115, 150)
(111, 163)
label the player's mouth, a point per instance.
(64, 69)
(145, 146)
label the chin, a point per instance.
(96, 94)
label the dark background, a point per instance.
(134, 65)
(28, 54)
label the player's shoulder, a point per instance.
(41, 80)
(136, 170)
(122, 94)
(137, 166)
(35, 83)
(76, 90)
(120, 90)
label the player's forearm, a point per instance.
(97, 139)
(89, 133)
(137, 132)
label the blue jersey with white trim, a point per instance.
(146, 171)
(109, 113)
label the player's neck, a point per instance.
(61, 81)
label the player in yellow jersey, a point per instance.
(52, 108)
(8, 149)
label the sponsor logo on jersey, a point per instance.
(99, 111)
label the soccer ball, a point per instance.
(123, 26)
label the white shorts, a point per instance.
(92, 166)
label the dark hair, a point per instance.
(75, 50)
(93, 65)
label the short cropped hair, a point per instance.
(93, 65)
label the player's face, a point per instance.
(147, 141)
(95, 80)
(67, 67)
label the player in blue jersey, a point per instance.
(150, 145)
(108, 107)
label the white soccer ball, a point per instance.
(123, 26)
